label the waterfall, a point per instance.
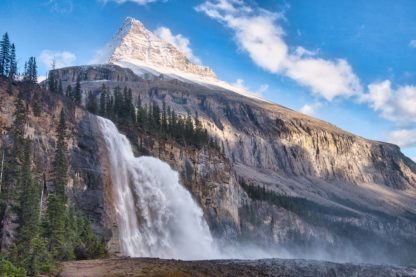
(157, 216)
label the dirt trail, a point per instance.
(267, 267)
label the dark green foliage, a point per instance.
(33, 241)
(103, 101)
(69, 235)
(83, 242)
(8, 62)
(55, 214)
(29, 199)
(92, 105)
(37, 105)
(12, 62)
(68, 92)
(312, 212)
(52, 81)
(5, 55)
(77, 93)
(31, 71)
(167, 124)
(7, 269)
(164, 123)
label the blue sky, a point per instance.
(351, 63)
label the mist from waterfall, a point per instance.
(157, 216)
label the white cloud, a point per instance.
(139, 2)
(403, 137)
(240, 83)
(414, 159)
(61, 6)
(262, 89)
(257, 33)
(61, 58)
(180, 42)
(412, 43)
(41, 78)
(310, 109)
(393, 104)
(328, 79)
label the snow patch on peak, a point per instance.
(137, 48)
(134, 42)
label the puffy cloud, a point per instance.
(328, 79)
(139, 2)
(403, 137)
(310, 109)
(61, 6)
(41, 78)
(412, 43)
(240, 83)
(61, 58)
(179, 41)
(258, 34)
(393, 104)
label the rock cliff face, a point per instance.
(86, 176)
(324, 188)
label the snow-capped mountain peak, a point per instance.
(137, 48)
(135, 44)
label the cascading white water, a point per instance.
(157, 216)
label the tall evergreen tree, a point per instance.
(29, 199)
(77, 93)
(13, 62)
(60, 88)
(12, 168)
(92, 105)
(164, 118)
(103, 101)
(52, 82)
(55, 225)
(68, 92)
(5, 55)
(31, 71)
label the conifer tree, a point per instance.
(103, 101)
(12, 168)
(60, 88)
(92, 106)
(77, 93)
(52, 81)
(30, 74)
(164, 118)
(29, 199)
(55, 224)
(68, 92)
(5, 55)
(13, 63)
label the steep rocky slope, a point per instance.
(360, 193)
(86, 177)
